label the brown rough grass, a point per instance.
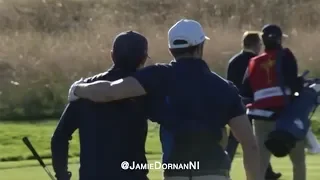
(46, 44)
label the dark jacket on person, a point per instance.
(109, 134)
(238, 65)
(198, 105)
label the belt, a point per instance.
(218, 172)
(260, 112)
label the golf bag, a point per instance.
(293, 123)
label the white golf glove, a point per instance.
(71, 95)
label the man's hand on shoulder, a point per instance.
(71, 95)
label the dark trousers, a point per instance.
(232, 148)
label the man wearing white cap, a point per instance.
(198, 105)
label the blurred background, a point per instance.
(47, 44)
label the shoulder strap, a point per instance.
(280, 79)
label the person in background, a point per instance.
(199, 104)
(312, 142)
(271, 81)
(110, 133)
(251, 46)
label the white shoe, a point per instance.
(314, 150)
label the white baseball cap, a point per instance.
(187, 30)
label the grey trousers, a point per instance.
(208, 177)
(297, 155)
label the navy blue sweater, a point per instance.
(196, 107)
(109, 134)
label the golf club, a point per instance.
(27, 142)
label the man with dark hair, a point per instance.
(271, 81)
(251, 46)
(198, 105)
(110, 133)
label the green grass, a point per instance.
(32, 171)
(12, 148)
(16, 163)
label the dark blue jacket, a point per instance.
(198, 105)
(237, 67)
(109, 134)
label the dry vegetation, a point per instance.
(46, 44)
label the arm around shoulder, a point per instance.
(106, 91)
(145, 80)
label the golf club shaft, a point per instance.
(36, 155)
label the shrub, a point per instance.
(47, 44)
